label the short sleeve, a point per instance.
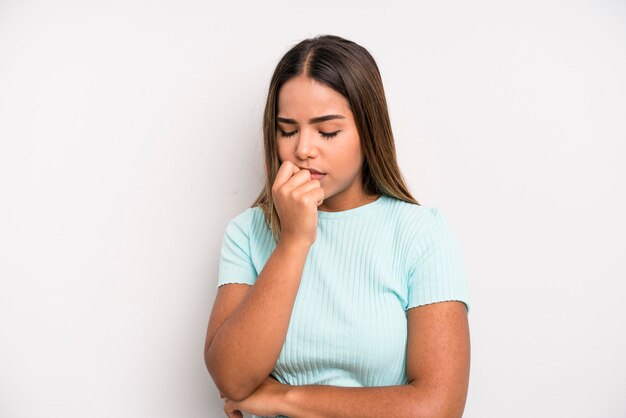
(437, 272)
(235, 265)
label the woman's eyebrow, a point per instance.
(312, 121)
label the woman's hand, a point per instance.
(266, 400)
(296, 198)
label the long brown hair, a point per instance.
(349, 69)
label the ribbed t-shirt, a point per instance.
(366, 268)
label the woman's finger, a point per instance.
(232, 412)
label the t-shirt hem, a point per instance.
(451, 299)
(231, 281)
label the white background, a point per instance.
(131, 134)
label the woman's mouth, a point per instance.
(315, 175)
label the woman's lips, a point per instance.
(314, 173)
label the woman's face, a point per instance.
(308, 145)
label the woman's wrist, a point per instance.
(287, 400)
(294, 245)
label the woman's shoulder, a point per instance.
(410, 215)
(248, 218)
(251, 222)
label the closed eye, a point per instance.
(325, 135)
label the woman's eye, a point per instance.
(329, 135)
(326, 135)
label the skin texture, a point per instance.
(438, 346)
(245, 316)
(340, 157)
(438, 365)
(297, 197)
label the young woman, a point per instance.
(339, 295)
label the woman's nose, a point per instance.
(306, 147)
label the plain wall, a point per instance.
(130, 134)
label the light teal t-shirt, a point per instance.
(366, 268)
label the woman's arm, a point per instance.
(438, 366)
(245, 346)
(320, 401)
(243, 351)
(272, 398)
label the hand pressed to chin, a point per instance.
(266, 400)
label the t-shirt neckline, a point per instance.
(359, 210)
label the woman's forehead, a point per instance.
(307, 89)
